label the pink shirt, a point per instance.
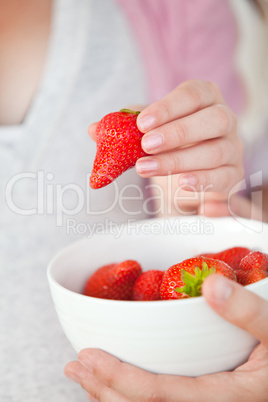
(187, 39)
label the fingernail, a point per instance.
(146, 166)
(152, 141)
(146, 123)
(187, 180)
(221, 289)
(73, 377)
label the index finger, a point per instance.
(127, 380)
(187, 98)
(134, 383)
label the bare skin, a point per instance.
(198, 135)
(24, 36)
(106, 379)
(200, 159)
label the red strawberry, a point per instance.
(118, 147)
(232, 256)
(246, 277)
(185, 279)
(114, 281)
(255, 259)
(147, 286)
(253, 268)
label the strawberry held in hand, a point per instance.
(114, 281)
(185, 279)
(118, 147)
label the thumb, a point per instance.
(237, 305)
(92, 131)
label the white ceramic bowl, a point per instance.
(183, 337)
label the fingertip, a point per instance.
(66, 369)
(146, 166)
(92, 131)
(217, 290)
(146, 122)
(207, 287)
(71, 371)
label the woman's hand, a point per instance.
(107, 379)
(191, 136)
(192, 132)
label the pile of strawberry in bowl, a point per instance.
(126, 281)
(138, 296)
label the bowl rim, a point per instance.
(53, 282)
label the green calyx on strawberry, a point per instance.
(193, 283)
(118, 147)
(175, 276)
(137, 112)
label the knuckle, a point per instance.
(234, 120)
(175, 163)
(238, 151)
(94, 394)
(199, 90)
(240, 148)
(241, 172)
(224, 118)
(111, 380)
(226, 179)
(229, 151)
(204, 178)
(231, 177)
(208, 180)
(155, 394)
(216, 153)
(166, 109)
(212, 87)
(193, 92)
(182, 133)
(154, 397)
